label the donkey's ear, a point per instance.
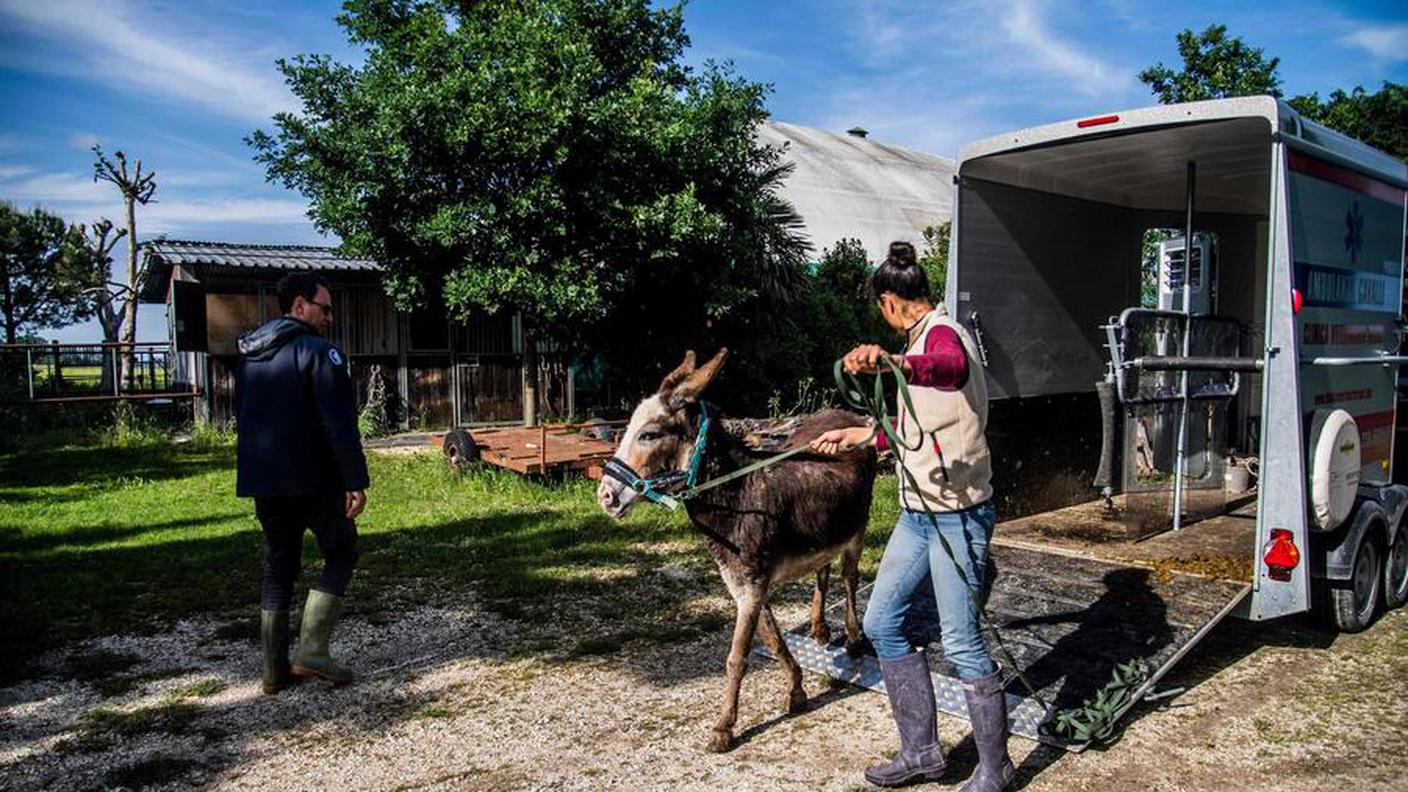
(694, 384)
(677, 376)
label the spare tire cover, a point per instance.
(1334, 467)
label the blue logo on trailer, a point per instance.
(1354, 232)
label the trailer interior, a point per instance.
(1051, 247)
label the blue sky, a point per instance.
(180, 84)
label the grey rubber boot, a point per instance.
(987, 710)
(312, 658)
(273, 634)
(911, 692)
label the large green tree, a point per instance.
(45, 269)
(550, 157)
(1215, 66)
(1379, 119)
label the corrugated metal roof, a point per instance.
(163, 254)
(845, 186)
(226, 254)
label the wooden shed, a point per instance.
(437, 373)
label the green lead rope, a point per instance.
(873, 405)
(1093, 721)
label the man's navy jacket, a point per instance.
(297, 415)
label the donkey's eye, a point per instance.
(650, 437)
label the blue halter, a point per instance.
(657, 488)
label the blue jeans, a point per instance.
(914, 554)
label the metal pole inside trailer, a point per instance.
(1180, 464)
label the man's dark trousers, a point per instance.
(284, 520)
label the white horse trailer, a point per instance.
(1113, 357)
(1297, 366)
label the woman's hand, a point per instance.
(838, 440)
(867, 358)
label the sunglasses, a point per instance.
(327, 308)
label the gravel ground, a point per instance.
(453, 696)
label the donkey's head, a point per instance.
(661, 436)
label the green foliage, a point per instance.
(1379, 119)
(375, 419)
(99, 540)
(1149, 264)
(45, 267)
(933, 257)
(550, 157)
(1093, 721)
(1215, 66)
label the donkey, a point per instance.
(763, 529)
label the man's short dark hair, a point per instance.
(299, 284)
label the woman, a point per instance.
(952, 470)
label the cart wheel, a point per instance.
(460, 450)
(1354, 602)
(1396, 570)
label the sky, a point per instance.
(179, 84)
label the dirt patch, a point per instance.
(454, 695)
(1224, 567)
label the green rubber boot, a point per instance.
(273, 633)
(312, 658)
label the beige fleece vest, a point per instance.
(951, 465)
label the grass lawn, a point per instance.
(100, 540)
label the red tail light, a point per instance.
(1102, 120)
(1281, 556)
(1296, 301)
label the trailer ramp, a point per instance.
(1068, 620)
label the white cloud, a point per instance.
(1024, 24)
(1387, 42)
(56, 188)
(122, 43)
(8, 172)
(84, 140)
(80, 199)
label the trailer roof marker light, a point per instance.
(1296, 301)
(1097, 121)
(1282, 557)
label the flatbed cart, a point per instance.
(533, 450)
(1165, 300)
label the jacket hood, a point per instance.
(262, 342)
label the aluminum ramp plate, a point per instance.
(1067, 620)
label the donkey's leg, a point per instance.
(850, 575)
(820, 632)
(749, 598)
(772, 636)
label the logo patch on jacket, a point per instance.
(334, 356)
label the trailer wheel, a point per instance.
(460, 450)
(1396, 570)
(1354, 602)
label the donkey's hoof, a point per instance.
(856, 648)
(720, 741)
(821, 634)
(796, 701)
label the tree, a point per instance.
(1379, 119)
(44, 270)
(1215, 66)
(933, 256)
(136, 188)
(552, 158)
(107, 294)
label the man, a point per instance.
(300, 458)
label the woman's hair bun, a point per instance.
(902, 255)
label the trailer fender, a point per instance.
(1369, 515)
